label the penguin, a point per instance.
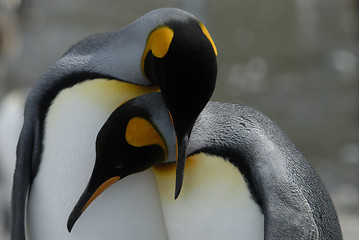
(244, 179)
(120, 141)
(166, 51)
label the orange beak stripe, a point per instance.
(100, 190)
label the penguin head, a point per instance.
(136, 136)
(179, 57)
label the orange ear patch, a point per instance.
(140, 132)
(158, 42)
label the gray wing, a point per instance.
(26, 152)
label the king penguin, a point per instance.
(120, 141)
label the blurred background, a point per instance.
(295, 60)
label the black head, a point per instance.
(184, 66)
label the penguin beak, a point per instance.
(181, 159)
(95, 187)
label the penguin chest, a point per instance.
(214, 203)
(130, 209)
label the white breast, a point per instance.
(214, 203)
(130, 209)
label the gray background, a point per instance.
(294, 60)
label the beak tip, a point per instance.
(71, 221)
(180, 165)
(179, 181)
(177, 192)
(69, 226)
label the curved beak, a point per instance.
(181, 160)
(95, 187)
(138, 135)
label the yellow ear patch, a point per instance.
(158, 42)
(205, 31)
(140, 132)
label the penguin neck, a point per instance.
(214, 203)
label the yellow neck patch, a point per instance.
(205, 31)
(203, 174)
(140, 132)
(158, 42)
